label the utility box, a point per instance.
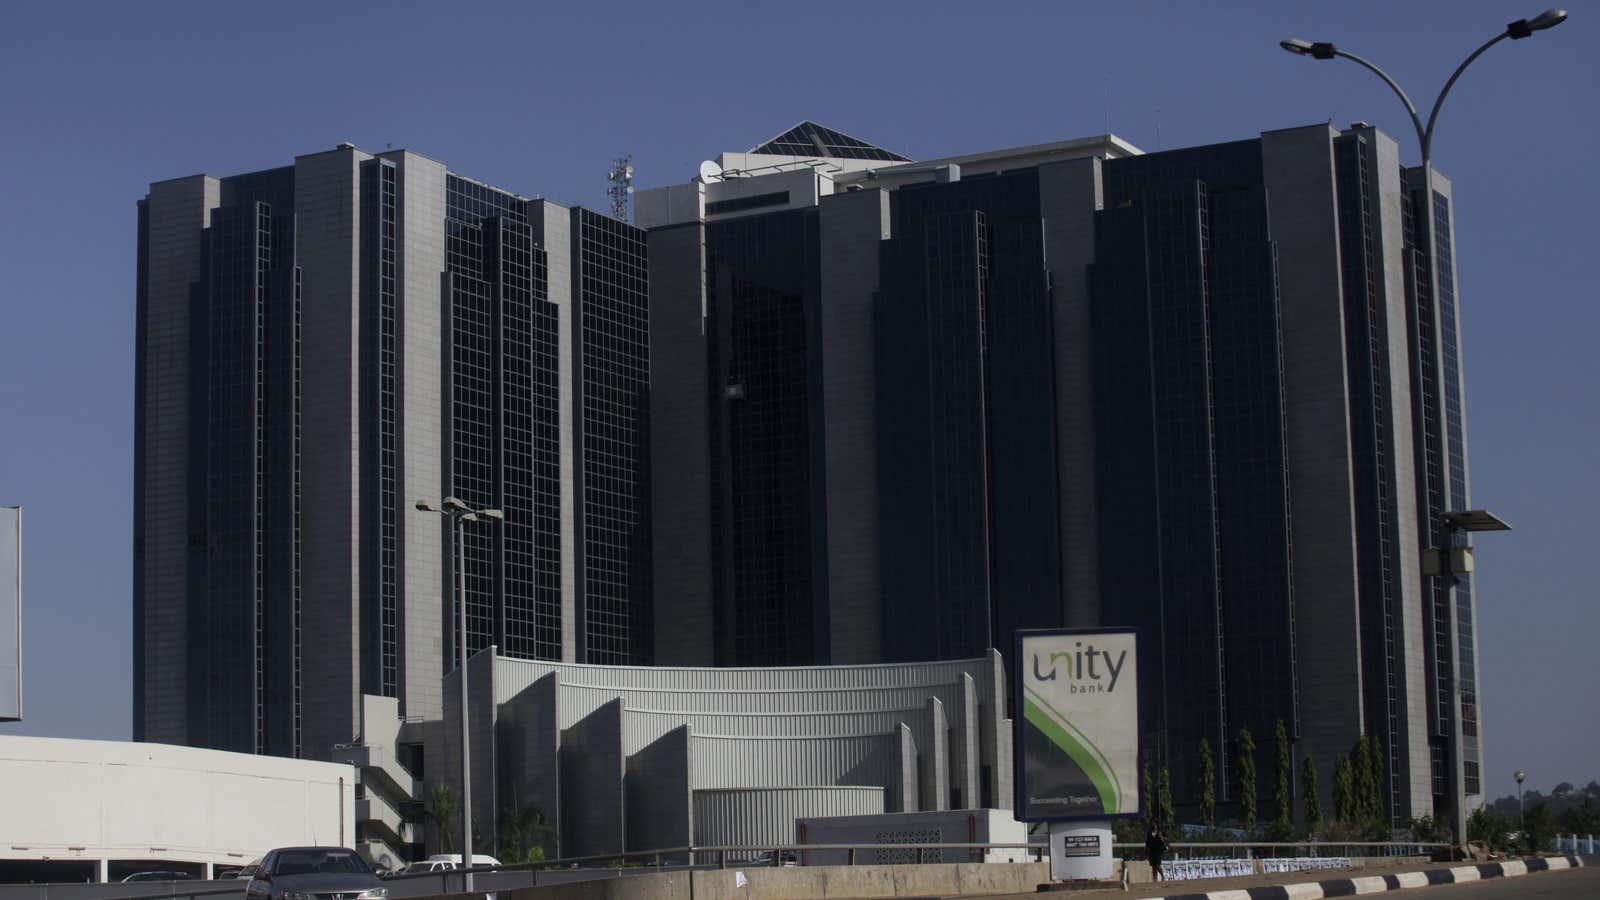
(1446, 561)
(956, 826)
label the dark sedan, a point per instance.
(314, 873)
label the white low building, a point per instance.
(99, 809)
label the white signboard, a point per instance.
(10, 613)
(1080, 851)
(1077, 724)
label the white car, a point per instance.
(249, 871)
(440, 862)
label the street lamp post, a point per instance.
(1451, 562)
(1322, 50)
(1519, 775)
(460, 513)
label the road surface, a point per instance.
(1579, 884)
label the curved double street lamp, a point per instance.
(1517, 30)
(1438, 561)
(460, 513)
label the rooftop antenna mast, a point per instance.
(621, 189)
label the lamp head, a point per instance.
(1319, 50)
(491, 514)
(1522, 28)
(425, 506)
(454, 503)
(1519, 775)
(1550, 18)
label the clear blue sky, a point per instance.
(98, 100)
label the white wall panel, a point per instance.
(642, 727)
(125, 800)
(747, 817)
(516, 674)
(745, 762)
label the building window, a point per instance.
(779, 198)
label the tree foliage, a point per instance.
(1246, 768)
(1282, 791)
(1377, 782)
(1308, 790)
(1490, 828)
(1427, 829)
(1208, 785)
(442, 811)
(1361, 792)
(525, 835)
(1164, 811)
(1152, 805)
(1538, 826)
(1581, 819)
(1343, 791)
(1575, 810)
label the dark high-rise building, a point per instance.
(854, 409)
(1192, 459)
(916, 406)
(322, 345)
(962, 338)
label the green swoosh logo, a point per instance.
(1075, 744)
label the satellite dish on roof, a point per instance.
(710, 171)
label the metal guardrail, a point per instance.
(665, 859)
(491, 879)
(1309, 848)
(171, 890)
(696, 857)
(638, 862)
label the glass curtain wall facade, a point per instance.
(381, 507)
(243, 499)
(459, 273)
(503, 422)
(612, 372)
(1190, 449)
(761, 296)
(963, 348)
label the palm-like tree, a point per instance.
(442, 810)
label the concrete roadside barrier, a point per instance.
(1372, 884)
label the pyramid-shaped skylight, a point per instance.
(810, 139)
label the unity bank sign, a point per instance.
(1077, 727)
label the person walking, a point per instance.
(1155, 848)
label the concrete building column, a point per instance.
(327, 201)
(1069, 195)
(423, 538)
(852, 227)
(680, 448)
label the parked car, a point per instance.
(440, 862)
(158, 876)
(306, 873)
